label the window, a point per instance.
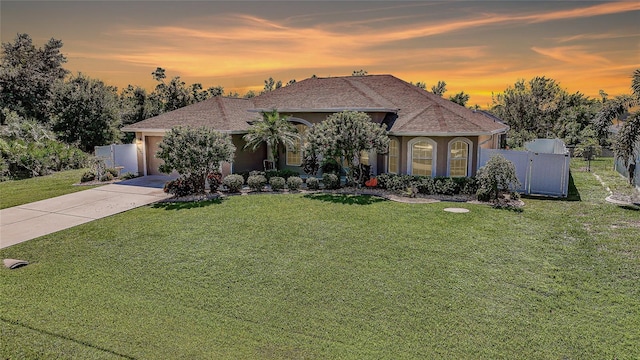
(394, 156)
(423, 153)
(459, 157)
(364, 158)
(294, 155)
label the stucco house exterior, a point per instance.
(429, 135)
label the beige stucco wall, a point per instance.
(246, 159)
(442, 153)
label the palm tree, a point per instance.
(274, 131)
(627, 144)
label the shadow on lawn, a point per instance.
(346, 199)
(572, 193)
(186, 204)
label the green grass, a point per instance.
(18, 192)
(294, 276)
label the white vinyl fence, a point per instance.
(543, 169)
(121, 155)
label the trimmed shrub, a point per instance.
(233, 182)
(498, 175)
(330, 181)
(112, 171)
(256, 182)
(445, 186)
(106, 177)
(88, 176)
(128, 175)
(277, 183)
(425, 185)
(180, 187)
(313, 183)
(215, 180)
(285, 173)
(470, 186)
(294, 183)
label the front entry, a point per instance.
(152, 145)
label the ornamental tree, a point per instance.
(346, 135)
(194, 153)
(496, 176)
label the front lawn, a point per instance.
(321, 276)
(18, 192)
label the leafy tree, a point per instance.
(249, 94)
(346, 135)
(27, 75)
(274, 131)
(540, 108)
(28, 148)
(460, 98)
(498, 175)
(175, 94)
(627, 143)
(613, 109)
(86, 112)
(215, 91)
(270, 85)
(194, 153)
(421, 85)
(291, 82)
(440, 88)
(359, 73)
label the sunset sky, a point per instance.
(476, 46)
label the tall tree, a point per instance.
(346, 135)
(86, 112)
(27, 75)
(460, 98)
(540, 108)
(440, 88)
(359, 73)
(627, 143)
(274, 131)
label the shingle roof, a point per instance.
(221, 113)
(419, 112)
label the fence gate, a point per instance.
(539, 173)
(119, 155)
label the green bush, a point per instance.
(470, 186)
(233, 182)
(256, 182)
(180, 187)
(88, 176)
(128, 175)
(215, 180)
(112, 171)
(294, 183)
(284, 173)
(425, 185)
(498, 175)
(277, 183)
(330, 181)
(445, 186)
(313, 183)
(395, 182)
(107, 177)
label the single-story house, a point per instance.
(429, 135)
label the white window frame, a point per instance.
(469, 154)
(434, 157)
(397, 159)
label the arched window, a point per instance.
(294, 154)
(393, 156)
(459, 155)
(422, 157)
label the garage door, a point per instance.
(152, 146)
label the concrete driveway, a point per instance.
(29, 221)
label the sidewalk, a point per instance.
(29, 221)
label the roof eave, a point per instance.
(157, 130)
(325, 110)
(425, 133)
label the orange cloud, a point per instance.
(572, 55)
